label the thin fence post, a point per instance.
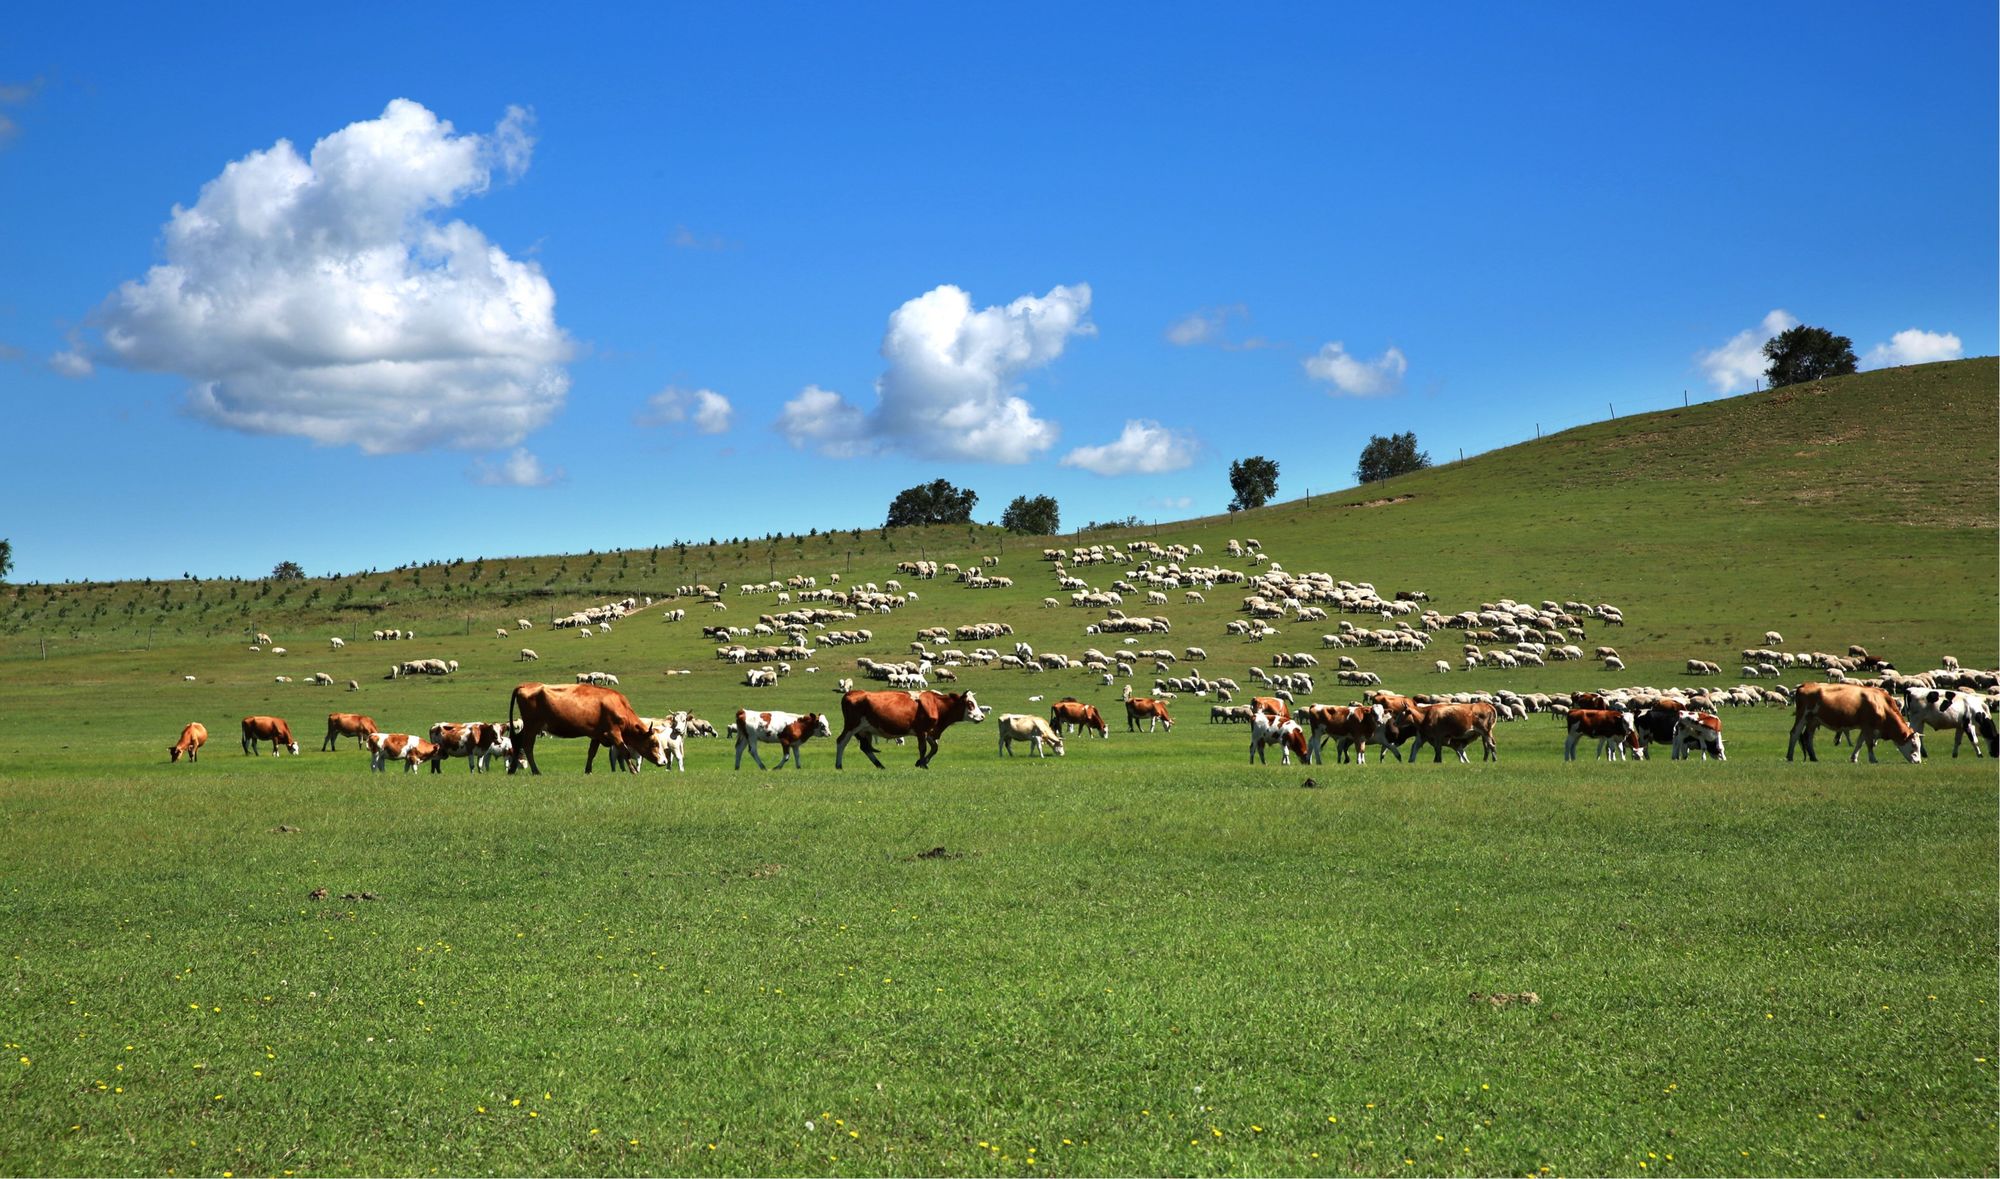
(1684, 398)
(1614, 409)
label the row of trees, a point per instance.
(1253, 482)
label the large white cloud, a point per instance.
(709, 411)
(1739, 364)
(1143, 448)
(1914, 346)
(326, 298)
(949, 391)
(1354, 376)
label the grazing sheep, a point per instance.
(1773, 639)
(526, 654)
(337, 642)
(1613, 663)
(354, 685)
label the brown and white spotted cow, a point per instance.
(1614, 731)
(1347, 726)
(384, 748)
(788, 731)
(268, 728)
(865, 716)
(193, 737)
(475, 741)
(346, 724)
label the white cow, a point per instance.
(1035, 730)
(788, 731)
(1942, 708)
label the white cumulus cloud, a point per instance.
(71, 363)
(326, 297)
(519, 469)
(1144, 448)
(1739, 364)
(1354, 376)
(950, 389)
(1914, 346)
(709, 411)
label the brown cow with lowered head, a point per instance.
(193, 737)
(1153, 712)
(1851, 706)
(1065, 714)
(1455, 725)
(578, 710)
(347, 724)
(268, 728)
(924, 715)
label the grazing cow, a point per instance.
(924, 715)
(346, 724)
(1455, 725)
(1841, 707)
(475, 741)
(1034, 730)
(577, 710)
(1269, 729)
(1146, 708)
(1963, 713)
(1698, 730)
(268, 728)
(1347, 727)
(193, 737)
(1614, 731)
(788, 731)
(1068, 714)
(410, 750)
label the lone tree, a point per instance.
(288, 571)
(1806, 354)
(936, 502)
(1037, 516)
(6, 558)
(1254, 480)
(1385, 458)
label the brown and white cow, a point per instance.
(193, 737)
(1268, 728)
(924, 715)
(475, 741)
(346, 724)
(1072, 714)
(1615, 732)
(1145, 708)
(1347, 726)
(788, 731)
(578, 710)
(268, 728)
(384, 748)
(1456, 725)
(1871, 711)
(1274, 705)
(1698, 730)
(1016, 726)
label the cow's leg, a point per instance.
(867, 741)
(1569, 746)
(590, 757)
(1488, 750)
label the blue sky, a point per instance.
(527, 282)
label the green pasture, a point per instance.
(1145, 957)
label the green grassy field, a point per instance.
(1145, 957)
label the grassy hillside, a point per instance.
(1147, 957)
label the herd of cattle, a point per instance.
(1502, 634)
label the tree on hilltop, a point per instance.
(936, 502)
(1037, 516)
(6, 558)
(1806, 354)
(1254, 480)
(288, 571)
(1385, 458)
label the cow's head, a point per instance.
(973, 712)
(639, 740)
(174, 752)
(294, 747)
(819, 726)
(1912, 749)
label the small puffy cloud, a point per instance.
(684, 238)
(72, 364)
(949, 391)
(1210, 326)
(519, 469)
(825, 420)
(1356, 377)
(326, 297)
(1144, 448)
(709, 411)
(1914, 346)
(1740, 363)
(14, 94)
(1177, 503)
